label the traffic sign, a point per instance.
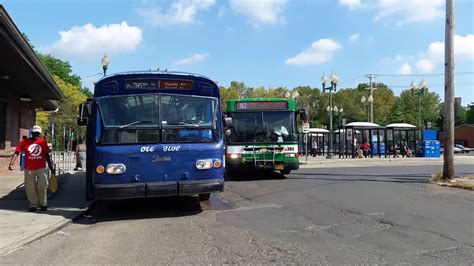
(306, 128)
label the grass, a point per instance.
(466, 182)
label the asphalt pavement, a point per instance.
(369, 214)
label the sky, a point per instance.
(268, 43)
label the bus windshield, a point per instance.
(266, 127)
(142, 118)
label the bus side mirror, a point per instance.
(303, 115)
(84, 113)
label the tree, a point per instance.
(470, 114)
(430, 108)
(60, 68)
(235, 91)
(67, 113)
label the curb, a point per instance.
(49, 230)
(20, 244)
(453, 184)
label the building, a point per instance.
(463, 134)
(25, 87)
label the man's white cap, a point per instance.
(36, 129)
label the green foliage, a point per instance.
(67, 113)
(430, 108)
(60, 68)
(470, 114)
(387, 107)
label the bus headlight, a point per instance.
(234, 156)
(115, 168)
(204, 164)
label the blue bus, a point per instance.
(153, 134)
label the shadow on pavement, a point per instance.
(361, 179)
(134, 209)
(66, 201)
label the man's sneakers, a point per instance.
(43, 208)
(32, 209)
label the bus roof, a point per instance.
(260, 99)
(176, 73)
(291, 104)
(137, 82)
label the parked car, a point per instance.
(456, 149)
(463, 149)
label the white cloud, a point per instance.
(409, 11)
(434, 55)
(261, 11)
(425, 66)
(90, 42)
(406, 69)
(435, 51)
(196, 58)
(351, 4)
(354, 37)
(179, 12)
(319, 52)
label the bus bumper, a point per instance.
(157, 189)
(262, 165)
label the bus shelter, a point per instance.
(318, 139)
(342, 143)
(399, 134)
(357, 133)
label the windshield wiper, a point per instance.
(136, 123)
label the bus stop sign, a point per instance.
(306, 128)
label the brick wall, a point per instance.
(462, 133)
(20, 117)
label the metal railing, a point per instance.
(64, 161)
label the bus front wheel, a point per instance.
(285, 172)
(204, 196)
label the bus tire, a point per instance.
(285, 172)
(204, 196)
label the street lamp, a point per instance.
(334, 79)
(105, 63)
(367, 103)
(419, 91)
(339, 113)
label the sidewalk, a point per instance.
(19, 227)
(336, 162)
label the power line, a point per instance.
(422, 75)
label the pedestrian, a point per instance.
(365, 146)
(36, 179)
(81, 149)
(314, 147)
(408, 151)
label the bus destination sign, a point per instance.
(176, 84)
(157, 84)
(241, 106)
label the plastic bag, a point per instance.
(53, 183)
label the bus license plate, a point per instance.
(279, 167)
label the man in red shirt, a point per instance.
(36, 178)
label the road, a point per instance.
(332, 215)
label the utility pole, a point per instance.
(448, 166)
(370, 77)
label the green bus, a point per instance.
(261, 133)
